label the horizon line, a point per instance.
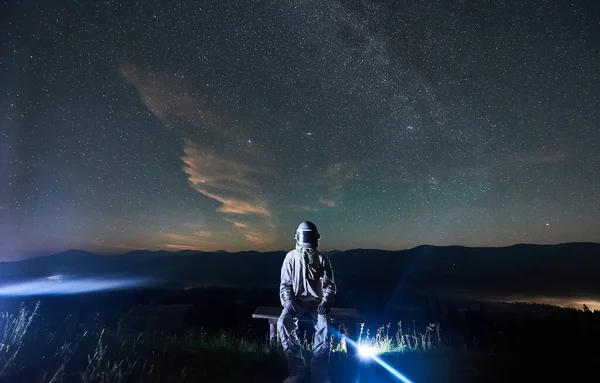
(114, 253)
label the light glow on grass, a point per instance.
(367, 351)
(370, 352)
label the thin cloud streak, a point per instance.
(166, 101)
(259, 239)
(208, 170)
(192, 242)
(236, 206)
(543, 159)
(327, 202)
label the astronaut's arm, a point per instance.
(329, 287)
(286, 281)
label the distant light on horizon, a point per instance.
(565, 302)
(58, 285)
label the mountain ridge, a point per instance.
(565, 267)
(191, 251)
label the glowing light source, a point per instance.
(367, 351)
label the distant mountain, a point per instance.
(565, 268)
(76, 263)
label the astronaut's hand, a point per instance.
(324, 307)
(290, 307)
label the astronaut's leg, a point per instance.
(322, 343)
(287, 328)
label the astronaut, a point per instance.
(307, 286)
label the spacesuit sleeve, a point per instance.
(329, 287)
(285, 285)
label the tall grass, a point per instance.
(93, 352)
(97, 351)
(405, 339)
(14, 328)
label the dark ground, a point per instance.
(526, 343)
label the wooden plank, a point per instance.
(264, 312)
(337, 313)
(347, 316)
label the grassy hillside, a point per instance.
(34, 349)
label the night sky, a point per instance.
(224, 124)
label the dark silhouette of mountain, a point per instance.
(75, 263)
(563, 269)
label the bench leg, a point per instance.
(273, 338)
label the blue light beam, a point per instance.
(377, 359)
(57, 285)
(391, 369)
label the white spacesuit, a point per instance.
(307, 285)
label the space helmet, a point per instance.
(307, 235)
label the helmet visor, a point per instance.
(307, 237)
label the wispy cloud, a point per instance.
(237, 206)
(234, 185)
(202, 240)
(220, 179)
(259, 239)
(167, 101)
(220, 166)
(327, 202)
(241, 225)
(208, 170)
(543, 158)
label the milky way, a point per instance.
(222, 125)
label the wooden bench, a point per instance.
(349, 318)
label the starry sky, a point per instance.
(223, 124)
